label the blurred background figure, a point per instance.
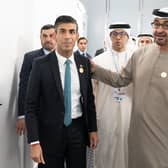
(82, 47)
(144, 39)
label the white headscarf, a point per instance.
(120, 25)
(160, 13)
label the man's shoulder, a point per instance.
(45, 58)
(102, 56)
(88, 55)
(76, 52)
(34, 53)
(79, 57)
(99, 51)
(145, 49)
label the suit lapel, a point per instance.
(82, 70)
(56, 73)
(41, 52)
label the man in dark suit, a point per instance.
(82, 47)
(53, 140)
(47, 37)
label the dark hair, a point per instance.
(82, 38)
(46, 27)
(65, 19)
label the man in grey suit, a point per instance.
(148, 71)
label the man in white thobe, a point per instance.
(113, 104)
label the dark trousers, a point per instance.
(74, 148)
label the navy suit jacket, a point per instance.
(45, 101)
(24, 77)
(87, 55)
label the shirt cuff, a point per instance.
(21, 117)
(35, 142)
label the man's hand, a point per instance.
(37, 154)
(20, 126)
(93, 66)
(93, 140)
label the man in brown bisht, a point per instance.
(148, 71)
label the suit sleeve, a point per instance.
(91, 109)
(24, 77)
(115, 79)
(32, 104)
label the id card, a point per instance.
(118, 94)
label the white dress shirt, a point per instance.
(82, 53)
(75, 86)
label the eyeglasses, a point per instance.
(115, 34)
(156, 25)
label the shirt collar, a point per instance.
(62, 59)
(81, 53)
(46, 51)
(116, 52)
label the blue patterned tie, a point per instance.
(67, 94)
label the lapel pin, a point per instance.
(81, 70)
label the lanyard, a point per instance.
(115, 57)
